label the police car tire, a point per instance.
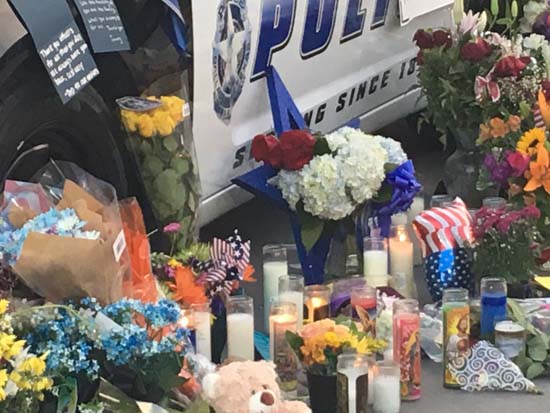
(84, 125)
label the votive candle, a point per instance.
(275, 265)
(316, 303)
(375, 261)
(283, 318)
(291, 289)
(240, 327)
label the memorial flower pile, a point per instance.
(319, 344)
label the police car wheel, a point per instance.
(33, 117)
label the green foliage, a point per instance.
(311, 226)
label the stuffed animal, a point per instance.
(247, 387)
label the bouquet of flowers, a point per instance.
(319, 344)
(23, 378)
(327, 178)
(166, 158)
(505, 243)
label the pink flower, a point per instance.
(531, 211)
(172, 228)
(486, 86)
(519, 163)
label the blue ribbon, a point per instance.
(175, 26)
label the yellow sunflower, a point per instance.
(530, 140)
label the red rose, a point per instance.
(423, 39)
(442, 38)
(519, 163)
(511, 66)
(297, 149)
(267, 148)
(475, 51)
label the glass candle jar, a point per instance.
(456, 330)
(406, 346)
(240, 327)
(316, 303)
(493, 304)
(386, 387)
(364, 301)
(187, 320)
(203, 335)
(510, 338)
(283, 317)
(291, 289)
(352, 383)
(375, 261)
(274, 266)
(441, 201)
(494, 203)
(402, 260)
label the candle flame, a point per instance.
(317, 302)
(402, 237)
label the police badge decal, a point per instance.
(231, 52)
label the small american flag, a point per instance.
(539, 121)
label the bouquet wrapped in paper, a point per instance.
(444, 234)
(63, 236)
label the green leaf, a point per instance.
(534, 370)
(321, 147)
(538, 341)
(389, 167)
(152, 166)
(524, 109)
(295, 341)
(523, 362)
(170, 143)
(504, 21)
(384, 194)
(67, 398)
(180, 165)
(537, 353)
(516, 311)
(312, 227)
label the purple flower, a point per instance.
(172, 228)
(542, 25)
(499, 171)
(170, 271)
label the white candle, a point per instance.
(278, 326)
(297, 298)
(352, 375)
(417, 207)
(376, 267)
(402, 260)
(387, 397)
(240, 336)
(272, 271)
(203, 333)
(371, 384)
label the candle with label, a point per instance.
(275, 265)
(352, 383)
(456, 330)
(375, 261)
(283, 318)
(316, 303)
(402, 260)
(203, 335)
(406, 346)
(493, 304)
(291, 289)
(240, 328)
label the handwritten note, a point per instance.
(104, 25)
(59, 43)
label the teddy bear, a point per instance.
(247, 387)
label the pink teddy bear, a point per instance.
(247, 387)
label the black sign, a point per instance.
(104, 25)
(59, 43)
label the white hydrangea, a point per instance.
(534, 42)
(396, 154)
(530, 13)
(324, 189)
(290, 184)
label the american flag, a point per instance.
(539, 121)
(440, 229)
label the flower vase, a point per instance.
(462, 169)
(322, 393)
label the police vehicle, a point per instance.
(340, 60)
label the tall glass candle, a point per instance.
(316, 303)
(203, 335)
(274, 265)
(402, 259)
(283, 318)
(456, 330)
(493, 304)
(387, 391)
(416, 208)
(291, 289)
(375, 261)
(441, 201)
(240, 327)
(187, 320)
(364, 302)
(406, 346)
(352, 383)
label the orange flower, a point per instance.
(484, 133)
(514, 122)
(186, 290)
(248, 274)
(544, 107)
(539, 172)
(499, 128)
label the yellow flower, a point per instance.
(129, 120)
(164, 124)
(174, 106)
(4, 304)
(530, 140)
(145, 126)
(34, 365)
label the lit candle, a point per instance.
(402, 261)
(386, 388)
(416, 208)
(352, 370)
(187, 321)
(274, 266)
(375, 257)
(203, 335)
(317, 303)
(291, 289)
(240, 328)
(283, 318)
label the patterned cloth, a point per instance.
(484, 367)
(448, 269)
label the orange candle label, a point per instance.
(456, 330)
